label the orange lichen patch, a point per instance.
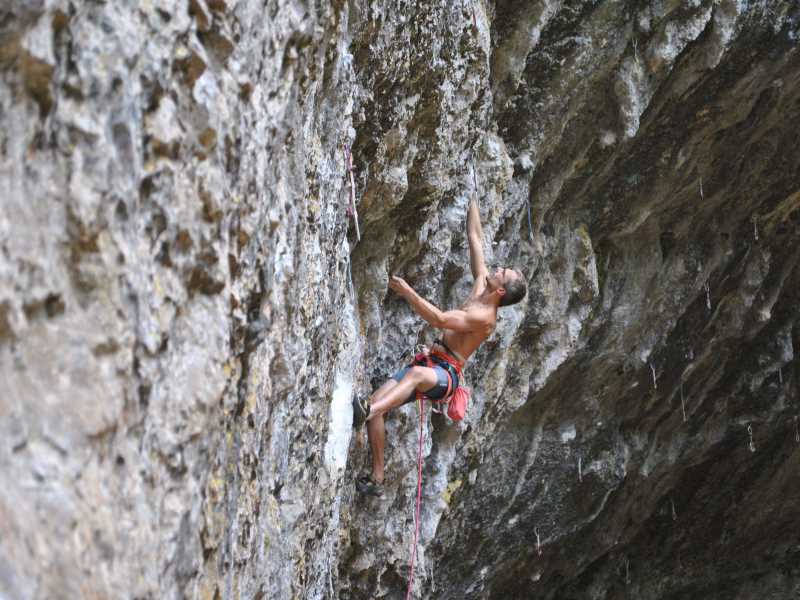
(208, 138)
(218, 5)
(183, 240)
(218, 44)
(9, 50)
(198, 10)
(6, 330)
(212, 213)
(191, 67)
(60, 20)
(35, 73)
(245, 91)
(169, 150)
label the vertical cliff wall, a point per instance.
(186, 308)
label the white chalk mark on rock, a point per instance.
(683, 404)
(653, 371)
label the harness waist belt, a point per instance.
(451, 361)
(452, 354)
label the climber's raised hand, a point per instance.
(399, 285)
(475, 237)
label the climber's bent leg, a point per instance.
(390, 395)
(416, 379)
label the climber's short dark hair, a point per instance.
(515, 290)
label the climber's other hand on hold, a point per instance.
(399, 285)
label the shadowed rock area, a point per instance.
(187, 308)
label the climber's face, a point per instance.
(499, 278)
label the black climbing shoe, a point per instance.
(366, 485)
(360, 412)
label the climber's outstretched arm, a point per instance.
(475, 237)
(456, 320)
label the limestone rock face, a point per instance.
(187, 306)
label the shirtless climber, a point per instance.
(464, 330)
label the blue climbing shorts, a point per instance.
(438, 391)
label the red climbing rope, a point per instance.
(419, 500)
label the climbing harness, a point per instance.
(456, 399)
(348, 164)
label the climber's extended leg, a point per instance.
(361, 406)
(377, 437)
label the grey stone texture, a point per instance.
(187, 309)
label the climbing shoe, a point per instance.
(366, 485)
(360, 412)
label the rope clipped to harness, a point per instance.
(456, 399)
